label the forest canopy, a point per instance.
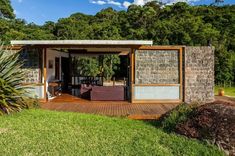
(6, 9)
(177, 24)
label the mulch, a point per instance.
(214, 122)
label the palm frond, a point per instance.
(13, 96)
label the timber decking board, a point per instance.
(70, 103)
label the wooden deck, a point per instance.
(70, 103)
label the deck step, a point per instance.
(144, 117)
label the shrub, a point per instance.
(87, 66)
(106, 65)
(111, 65)
(181, 113)
(13, 96)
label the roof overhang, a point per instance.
(81, 42)
(98, 46)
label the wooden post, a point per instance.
(70, 70)
(45, 72)
(181, 73)
(114, 81)
(132, 70)
(102, 70)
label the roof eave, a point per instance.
(82, 42)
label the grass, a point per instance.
(39, 132)
(229, 91)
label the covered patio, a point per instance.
(158, 77)
(56, 68)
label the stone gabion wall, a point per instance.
(157, 67)
(32, 65)
(199, 74)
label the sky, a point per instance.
(40, 11)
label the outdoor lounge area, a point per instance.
(145, 74)
(87, 78)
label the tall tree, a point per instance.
(6, 9)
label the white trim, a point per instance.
(81, 42)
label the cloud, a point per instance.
(127, 3)
(16, 12)
(141, 2)
(114, 3)
(170, 2)
(103, 2)
(99, 2)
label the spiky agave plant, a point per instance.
(13, 96)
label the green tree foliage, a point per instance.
(106, 65)
(224, 62)
(105, 25)
(6, 9)
(110, 65)
(13, 97)
(77, 26)
(87, 66)
(178, 24)
(18, 29)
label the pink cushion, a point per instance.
(85, 91)
(107, 93)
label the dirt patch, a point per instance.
(3, 130)
(213, 121)
(225, 99)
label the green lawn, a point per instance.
(229, 91)
(38, 132)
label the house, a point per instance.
(156, 74)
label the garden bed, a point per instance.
(214, 122)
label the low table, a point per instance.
(53, 85)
